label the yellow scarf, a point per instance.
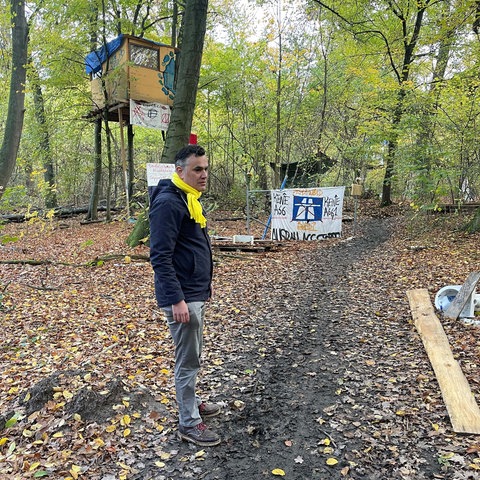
(194, 206)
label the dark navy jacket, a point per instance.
(180, 251)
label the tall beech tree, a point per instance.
(16, 102)
(193, 31)
(368, 21)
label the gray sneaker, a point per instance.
(199, 435)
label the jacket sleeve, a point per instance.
(165, 224)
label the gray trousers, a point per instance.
(188, 339)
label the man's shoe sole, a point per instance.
(187, 438)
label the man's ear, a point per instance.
(179, 170)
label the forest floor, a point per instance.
(309, 347)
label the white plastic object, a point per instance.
(445, 296)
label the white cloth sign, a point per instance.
(158, 171)
(152, 115)
(307, 213)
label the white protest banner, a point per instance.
(158, 171)
(153, 115)
(307, 213)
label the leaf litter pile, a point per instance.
(309, 347)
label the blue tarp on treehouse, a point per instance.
(94, 60)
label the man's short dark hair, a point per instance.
(186, 152)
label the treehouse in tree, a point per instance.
(130, 68)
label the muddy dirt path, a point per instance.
(317, 385)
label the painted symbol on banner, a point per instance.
(307, 209)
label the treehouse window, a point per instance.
(144, 56)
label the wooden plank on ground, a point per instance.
(461, 405)
(460, 300)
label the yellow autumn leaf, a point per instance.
(200, 453)
(77, 417)
(474, 466)
(435, 426)
(67, 395)
(279, 472)
(99, 442)
(125, 421)
(127, 259)
(34, 466)
(3, 441)
(111, 428)
(57, 435)
(328, 450)
(27, 397)
(126, 432)
(159, 464)
(331, 461)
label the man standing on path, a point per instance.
(181, 257)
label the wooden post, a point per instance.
(124, 159)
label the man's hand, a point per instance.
(180, 312)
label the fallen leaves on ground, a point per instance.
(87, 388)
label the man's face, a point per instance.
(195, 172)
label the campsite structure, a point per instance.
(130, 68)
(133, 83)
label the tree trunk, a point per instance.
(44, 147)
(403, 76)
(110, 164)
(188, 74)
(392, 148)
(130, 162)
(189, 61)
(92, 213)
(16, 100)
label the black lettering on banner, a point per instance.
(282, 234)
(331, 206)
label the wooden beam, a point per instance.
(463, 296)
(459, 399)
